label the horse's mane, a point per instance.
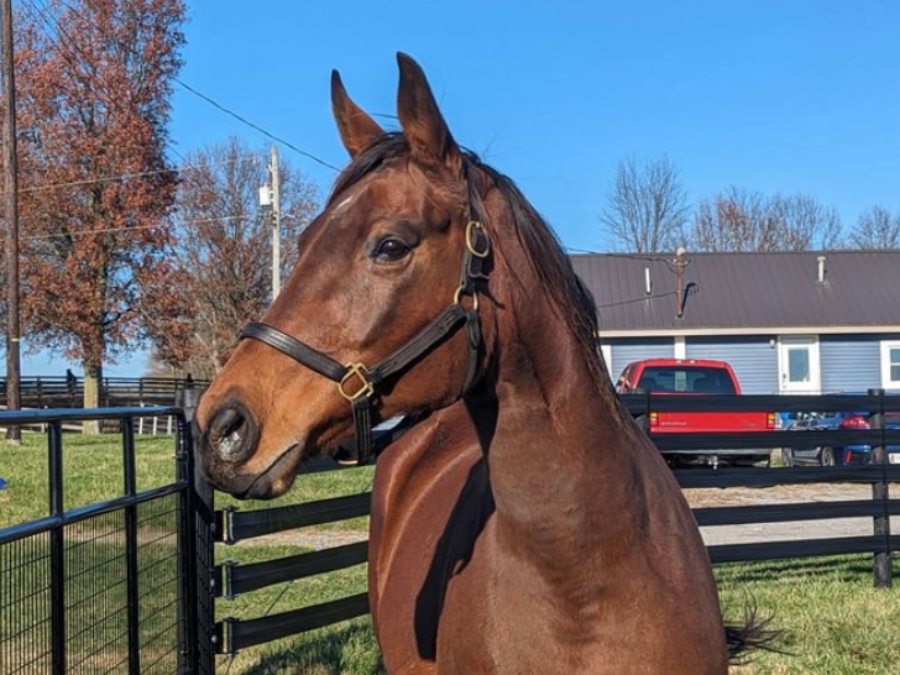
(571, 299)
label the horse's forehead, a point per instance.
(399, 190)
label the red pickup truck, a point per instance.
(696, 377)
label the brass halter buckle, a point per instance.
(360, 372)
(473, 229)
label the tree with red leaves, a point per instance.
(95, 80)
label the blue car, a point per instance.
(843, 455)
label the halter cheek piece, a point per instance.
(356, 382)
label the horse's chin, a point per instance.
(272, 482)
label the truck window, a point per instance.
(686, 379)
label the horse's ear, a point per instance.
(357, 129)
(422, 122)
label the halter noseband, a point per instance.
(356, 382)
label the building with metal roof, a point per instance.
(808, 322)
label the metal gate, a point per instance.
(114, 587)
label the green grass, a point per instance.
(834, 622)
(93, 472)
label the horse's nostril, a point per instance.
(229, 434)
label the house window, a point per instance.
(890, 365)
(798, 365)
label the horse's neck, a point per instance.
(563, 450)
(428, 465)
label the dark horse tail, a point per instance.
(753, 635)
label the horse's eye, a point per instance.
(391, 249)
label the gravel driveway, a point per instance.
(813, 529)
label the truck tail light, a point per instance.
(855, 422)
(771, 421)
(654, 419)
(848, 454)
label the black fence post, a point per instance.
(643, 420)
(131, 550)
(57, 551)
(196, 543)
(880, 493)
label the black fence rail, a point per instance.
(113, 587)
(232, 526)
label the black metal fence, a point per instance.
(113, 587)
(878, 474)
(234, 526)
(129, 585)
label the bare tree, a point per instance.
(742, 220)
(805, 224)
(221, 261)
(646, 206)
(876, 229)
(736, 220)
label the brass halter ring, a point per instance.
(457, 298)
(472, 230)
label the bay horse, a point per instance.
(524, 524)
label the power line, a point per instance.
(636, 300)
(255, 126)
(133, 228)
(105, 179)
(129, 176)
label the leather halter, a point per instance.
(357, 382)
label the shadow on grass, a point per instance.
(347, 650)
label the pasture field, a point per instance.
(834, 622)
(93, 472)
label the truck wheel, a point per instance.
(826, 457)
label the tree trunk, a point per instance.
(93, 378)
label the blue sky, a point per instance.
(765, 95)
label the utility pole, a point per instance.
(13, 370)
(680, 264)
(276, 224)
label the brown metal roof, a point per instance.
(746, 290)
